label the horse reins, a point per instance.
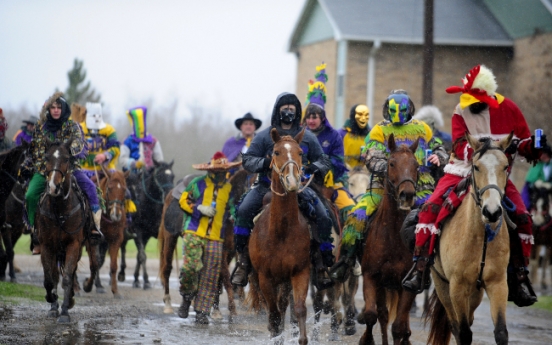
(159, 185)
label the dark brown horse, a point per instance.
(279, 246)
(386, 260)
(63, 222)
(171, 229)
(113, 186)
(11, 206)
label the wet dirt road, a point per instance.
(138, 318)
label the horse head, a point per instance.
(58, 163)
(489, 175)
(541, 209)
(402, 172)
(287, 160)
(114, 189)
(163, 176)
(11, 160)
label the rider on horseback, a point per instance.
(5, 142)
(25, 133)
(353, 133)
(286, 119)
(398, 110)
(331, 142)
(482, 113)
(55, 125)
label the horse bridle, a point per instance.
(63, 175)
(111, 202)
(478, 193)
(280, 172)
(159, 185)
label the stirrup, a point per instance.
(424, 282)
(338, 272)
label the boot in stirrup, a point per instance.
(96, 234)
(241, 271)
(520, 290)
(321, 279)
(342, 268)
(417, 278)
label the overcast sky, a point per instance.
(223, 55)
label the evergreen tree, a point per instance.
(79, 91)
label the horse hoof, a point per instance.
(350, 330)
(64, 319)
(147, 286)
(168, 310)
(53, 313)
(13, 280)
(77, 293)
(117, 296)
(136, 284)
(100, 290)
(216, 315)
(334, 337)
(360, 319)
(71, 303)
(121, 277)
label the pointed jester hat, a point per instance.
(137, 119)
(317, 88)
(479, 86)
(218, 163)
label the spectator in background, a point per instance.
(431, 115)
(236, 146)
(354, 132)
(25, 133)
(5, 143)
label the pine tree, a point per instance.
(79, 91)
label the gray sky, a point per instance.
(224, 55)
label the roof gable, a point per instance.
(522, 18)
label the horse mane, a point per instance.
(487, 144)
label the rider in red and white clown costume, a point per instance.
(483, 113)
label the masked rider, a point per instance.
(484, 114)
(55, 125)
(331, 142)
(398, 110)
(354, 132)
(286, 119)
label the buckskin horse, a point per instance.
(11, 230)
(155, 183)
(113, 186)
(469, 261)
(386, 259)
(279, 246)
(63, 222)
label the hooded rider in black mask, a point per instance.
(286, 117)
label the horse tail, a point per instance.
(392, 297)
(161, 236)
(254, 300)
(440, 329)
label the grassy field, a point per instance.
(9, 292)
(23, 247)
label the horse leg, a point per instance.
(300, 284)
(382, 313)
(229, 291)
(350, 288)
(72, 257)
(270, 293)
(334, 293)
(460, 305)
(216, 314)
(113, 250)
(102, 248)
(401, 326)
(283, 302)
(169, 245)
(144, 258)
(51, 276)
(545, 264)
(121, 276)
(140, 247)
(369, 315)
(9, 254)
(498, 297)
(3, 254)
(93, 258)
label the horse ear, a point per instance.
(473, 142)
(275, 135)
(68, 144)
(506, 141)
(391, 143)
(155, 163)
(171, 164)
(299, 137)
(414, 145)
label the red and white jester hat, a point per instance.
(479, 86)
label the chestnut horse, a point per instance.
(386, 259)
(113, 186)
(279, 246)
(63, 222)
(467, 258)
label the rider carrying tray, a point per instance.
(482, 113)
(286, 117)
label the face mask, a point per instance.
(287, 116)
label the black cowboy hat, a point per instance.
(248, 116)
(32, 120)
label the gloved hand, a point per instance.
(311, 169)
(513, 147)
(24, 175)
(207, 211)
(139, 164)
(266, 163)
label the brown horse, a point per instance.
(113, 186)
(467, 264)
(279, 246)
(63, 222)
(171, 229)
(386, 259)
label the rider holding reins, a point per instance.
(482, 113)
(286, 118)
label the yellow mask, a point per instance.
(362, 115)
